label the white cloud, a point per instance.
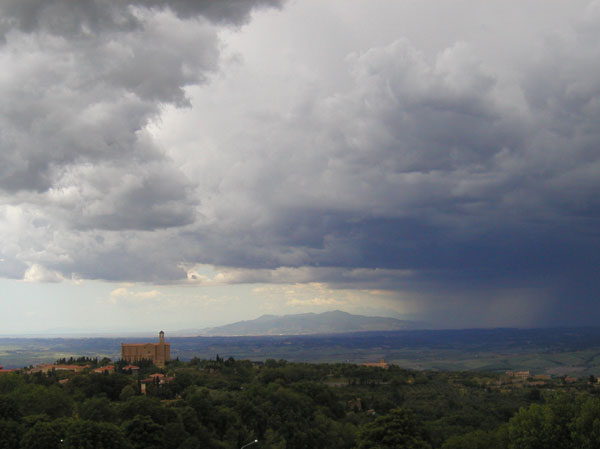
(124, 295)
(207, 275)
(38, 273)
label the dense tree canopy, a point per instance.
(224, 404)
(397, 429)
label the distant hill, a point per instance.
(333, 322)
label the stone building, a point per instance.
(159, 352)
(381, 364)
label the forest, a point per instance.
(227, 403)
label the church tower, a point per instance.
(160, 350)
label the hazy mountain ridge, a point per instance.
(333, 322)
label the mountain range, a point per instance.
(333, 322)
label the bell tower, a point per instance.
(160, 357)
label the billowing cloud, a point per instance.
(146, 141)
(427, 163)
(38, 273)
(76, 161)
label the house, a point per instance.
(132, 368)
(519, 375)
(381, 364)
(49, 367)
(105, 369)
(156, 379)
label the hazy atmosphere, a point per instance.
(182, 164)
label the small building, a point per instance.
(381, 364)
(157, 378)
(49, 367)
(542, 377)
(105, 369)
(154, 379)
(159, 353)
(519, 375)
(132, 368)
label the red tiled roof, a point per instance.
(104, 368)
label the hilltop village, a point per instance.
(154, 357)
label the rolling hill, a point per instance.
(333, 322)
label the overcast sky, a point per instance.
(181, 164)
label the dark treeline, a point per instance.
(228, 403)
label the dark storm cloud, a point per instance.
(421, 172)
(87, 17)
(504, 197)
(225, 11)
(438, 167)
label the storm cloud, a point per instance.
(442, 170)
